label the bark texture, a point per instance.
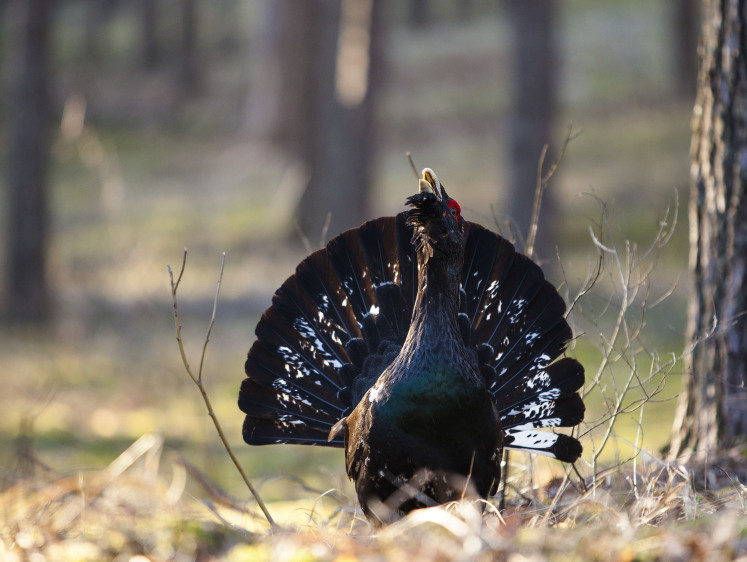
(712, 412)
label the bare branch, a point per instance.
(542, 181)
(212, 318)
(539, 191)
(412, 165)
(325, 229)
(198, 379)
(303, 237)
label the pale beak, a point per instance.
(429, 183)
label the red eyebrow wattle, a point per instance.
(452, 204)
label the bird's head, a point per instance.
(436, 219)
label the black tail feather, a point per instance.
(267, 403)
(300, 302)
(560, 379)
(562, 447)
(378, 242)
(487, 258)
(521, 361)
(393, 307)
(408, 264)
(316, 276)
(303, 362)
(258, 431)
(348, 261)
(523, 321)
(561, 412)
(268, 370)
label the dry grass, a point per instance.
(139, 506)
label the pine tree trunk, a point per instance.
(337, 127)
(535, 62)
(149, 27)
(417, 13)
(712, 412)
(190, 72)
(270, 108)
(27, 292)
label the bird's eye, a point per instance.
(455, 209)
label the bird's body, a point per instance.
(428, 419)
(422, 344)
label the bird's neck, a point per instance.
(436, 307)
(433, 351)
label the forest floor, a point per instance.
(151, 505)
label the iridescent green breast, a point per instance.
(437, 405)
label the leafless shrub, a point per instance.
(631, 373)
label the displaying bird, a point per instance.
(423, 344)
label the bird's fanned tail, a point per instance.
(345, 313)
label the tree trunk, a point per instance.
(27, 291)
(418, 13)
(464, 9)
(337, 129)
(190, 74)
(534, 107)
(277, 49)
(149, 26)
(712, 411)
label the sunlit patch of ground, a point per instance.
(145, 503)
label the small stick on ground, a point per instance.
(198, 378)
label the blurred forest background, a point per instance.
(263, 128)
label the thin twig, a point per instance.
(542, 181)
(198, 379)
(538, 192)
(412, 165)
(212, 317)
(303, 237)
(325, 229)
